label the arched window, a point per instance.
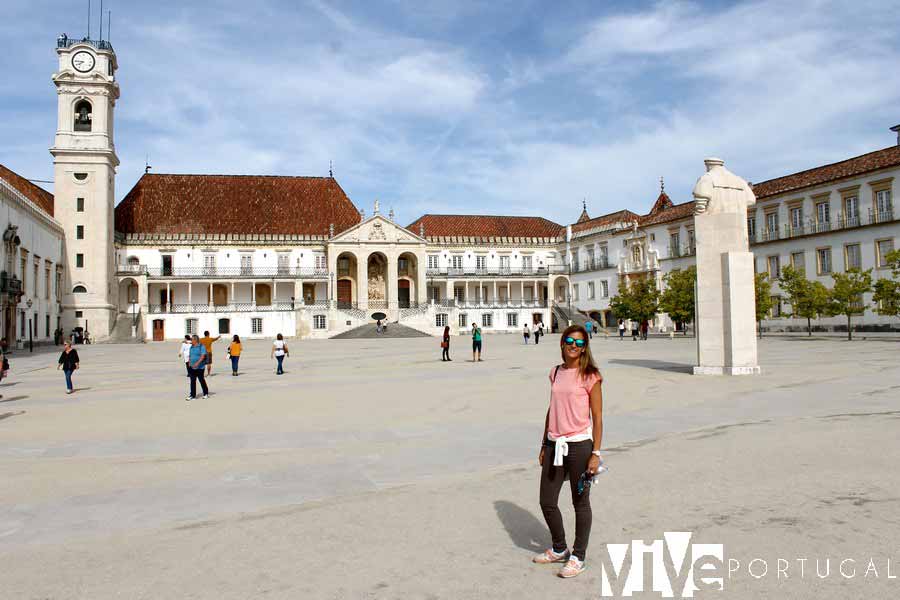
(83, 116)
(134, 260)
(79, 289)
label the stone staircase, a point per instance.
(121, 333)
(368, 331)
(564, 315)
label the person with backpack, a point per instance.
(476, 343)
(68, 362)
(570, 447)
(279, 351)
(234, 353)
(445, 344)
(197, 361)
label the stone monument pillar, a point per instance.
(726, 312)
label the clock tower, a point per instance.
(85, 161)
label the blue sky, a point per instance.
(491, 107)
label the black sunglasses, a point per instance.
(578, 343)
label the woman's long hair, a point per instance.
(446, 330)
(586, 365)
(236, 339)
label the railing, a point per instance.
(497, 272)
(601, 262)
(131, 269)
(814, 227)
(278, 306)
(64, 41)
(230, 272)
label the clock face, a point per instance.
(83, 61)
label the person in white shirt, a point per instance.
(185, 354)
(279, 351)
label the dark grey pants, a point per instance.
(552, 479)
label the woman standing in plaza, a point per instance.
(476, 343)
(570, 447)
(526, 333)
(234, 353)
(445, 344)
(279, 351)
(68, 362)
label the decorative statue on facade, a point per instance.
(376, 281)
(726, 313)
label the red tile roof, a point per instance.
(36, 194)
(235, 204)
(673, 212)
(485, 226)
(873, 161)
(616, 217)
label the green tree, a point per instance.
(846, 295)
(764, 303)
(638, 301)
(677, 300)
(887, 291)
(808, 299)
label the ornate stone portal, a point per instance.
(377, 271)
(726, 319)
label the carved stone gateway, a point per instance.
(726, 319)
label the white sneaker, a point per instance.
(189, 398)
(573, 567)
(206, 396)
(549, 556)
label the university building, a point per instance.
(260, 255)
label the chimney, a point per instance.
(896, 129)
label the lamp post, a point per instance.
(31, 325)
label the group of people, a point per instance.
(638, 330)
(537, 329)
(197, 354)
(476, 343)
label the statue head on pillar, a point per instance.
(721, 191)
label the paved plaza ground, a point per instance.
(373, 470)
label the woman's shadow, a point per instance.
(525, 530)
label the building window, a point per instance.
(882, 249)
(823, 260)
(47, 325)
(36, 281)
(256, 325)
(209, 264)
(79, 314)
(487, 320)
(480, 262)
(47, 283)
(318, 322)
(224, 326)
(797, 218)
(79, 261)
(527, 263)
(751, 227)
(798, 261)
(884, 208)
(604, 289)
(456, 261)
(58, 283)
(24, 267)
(575, 291)
(246, 264)
(79, 289)
(776, 307)
(512, 319)
(852, 257)
(851, 211)
(320, 262)
(823, 213)
(440, 320)
(79, 204)
(590, 290)
(79, 232)
(774, 267)
(190, 326)
(463, 320)
(459, 294)
(504, 264)
(433, 261)
(284, 263)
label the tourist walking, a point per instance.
(445, 344)
(589, 327)
(185, 354)
(234, 353)
(4, 365)
(197, 357)
(621, 330)
(526, 333)
(68, 362)
(476, 343)
(645, 327)
(537, 334)
(207, 343)
(570, 448)
(378, 326)
(279, 351)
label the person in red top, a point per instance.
(570, 447)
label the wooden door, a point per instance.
(159, 330)
(403, 293)
(344, 293)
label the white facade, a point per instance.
(32, 271)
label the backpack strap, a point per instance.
(555, 371)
